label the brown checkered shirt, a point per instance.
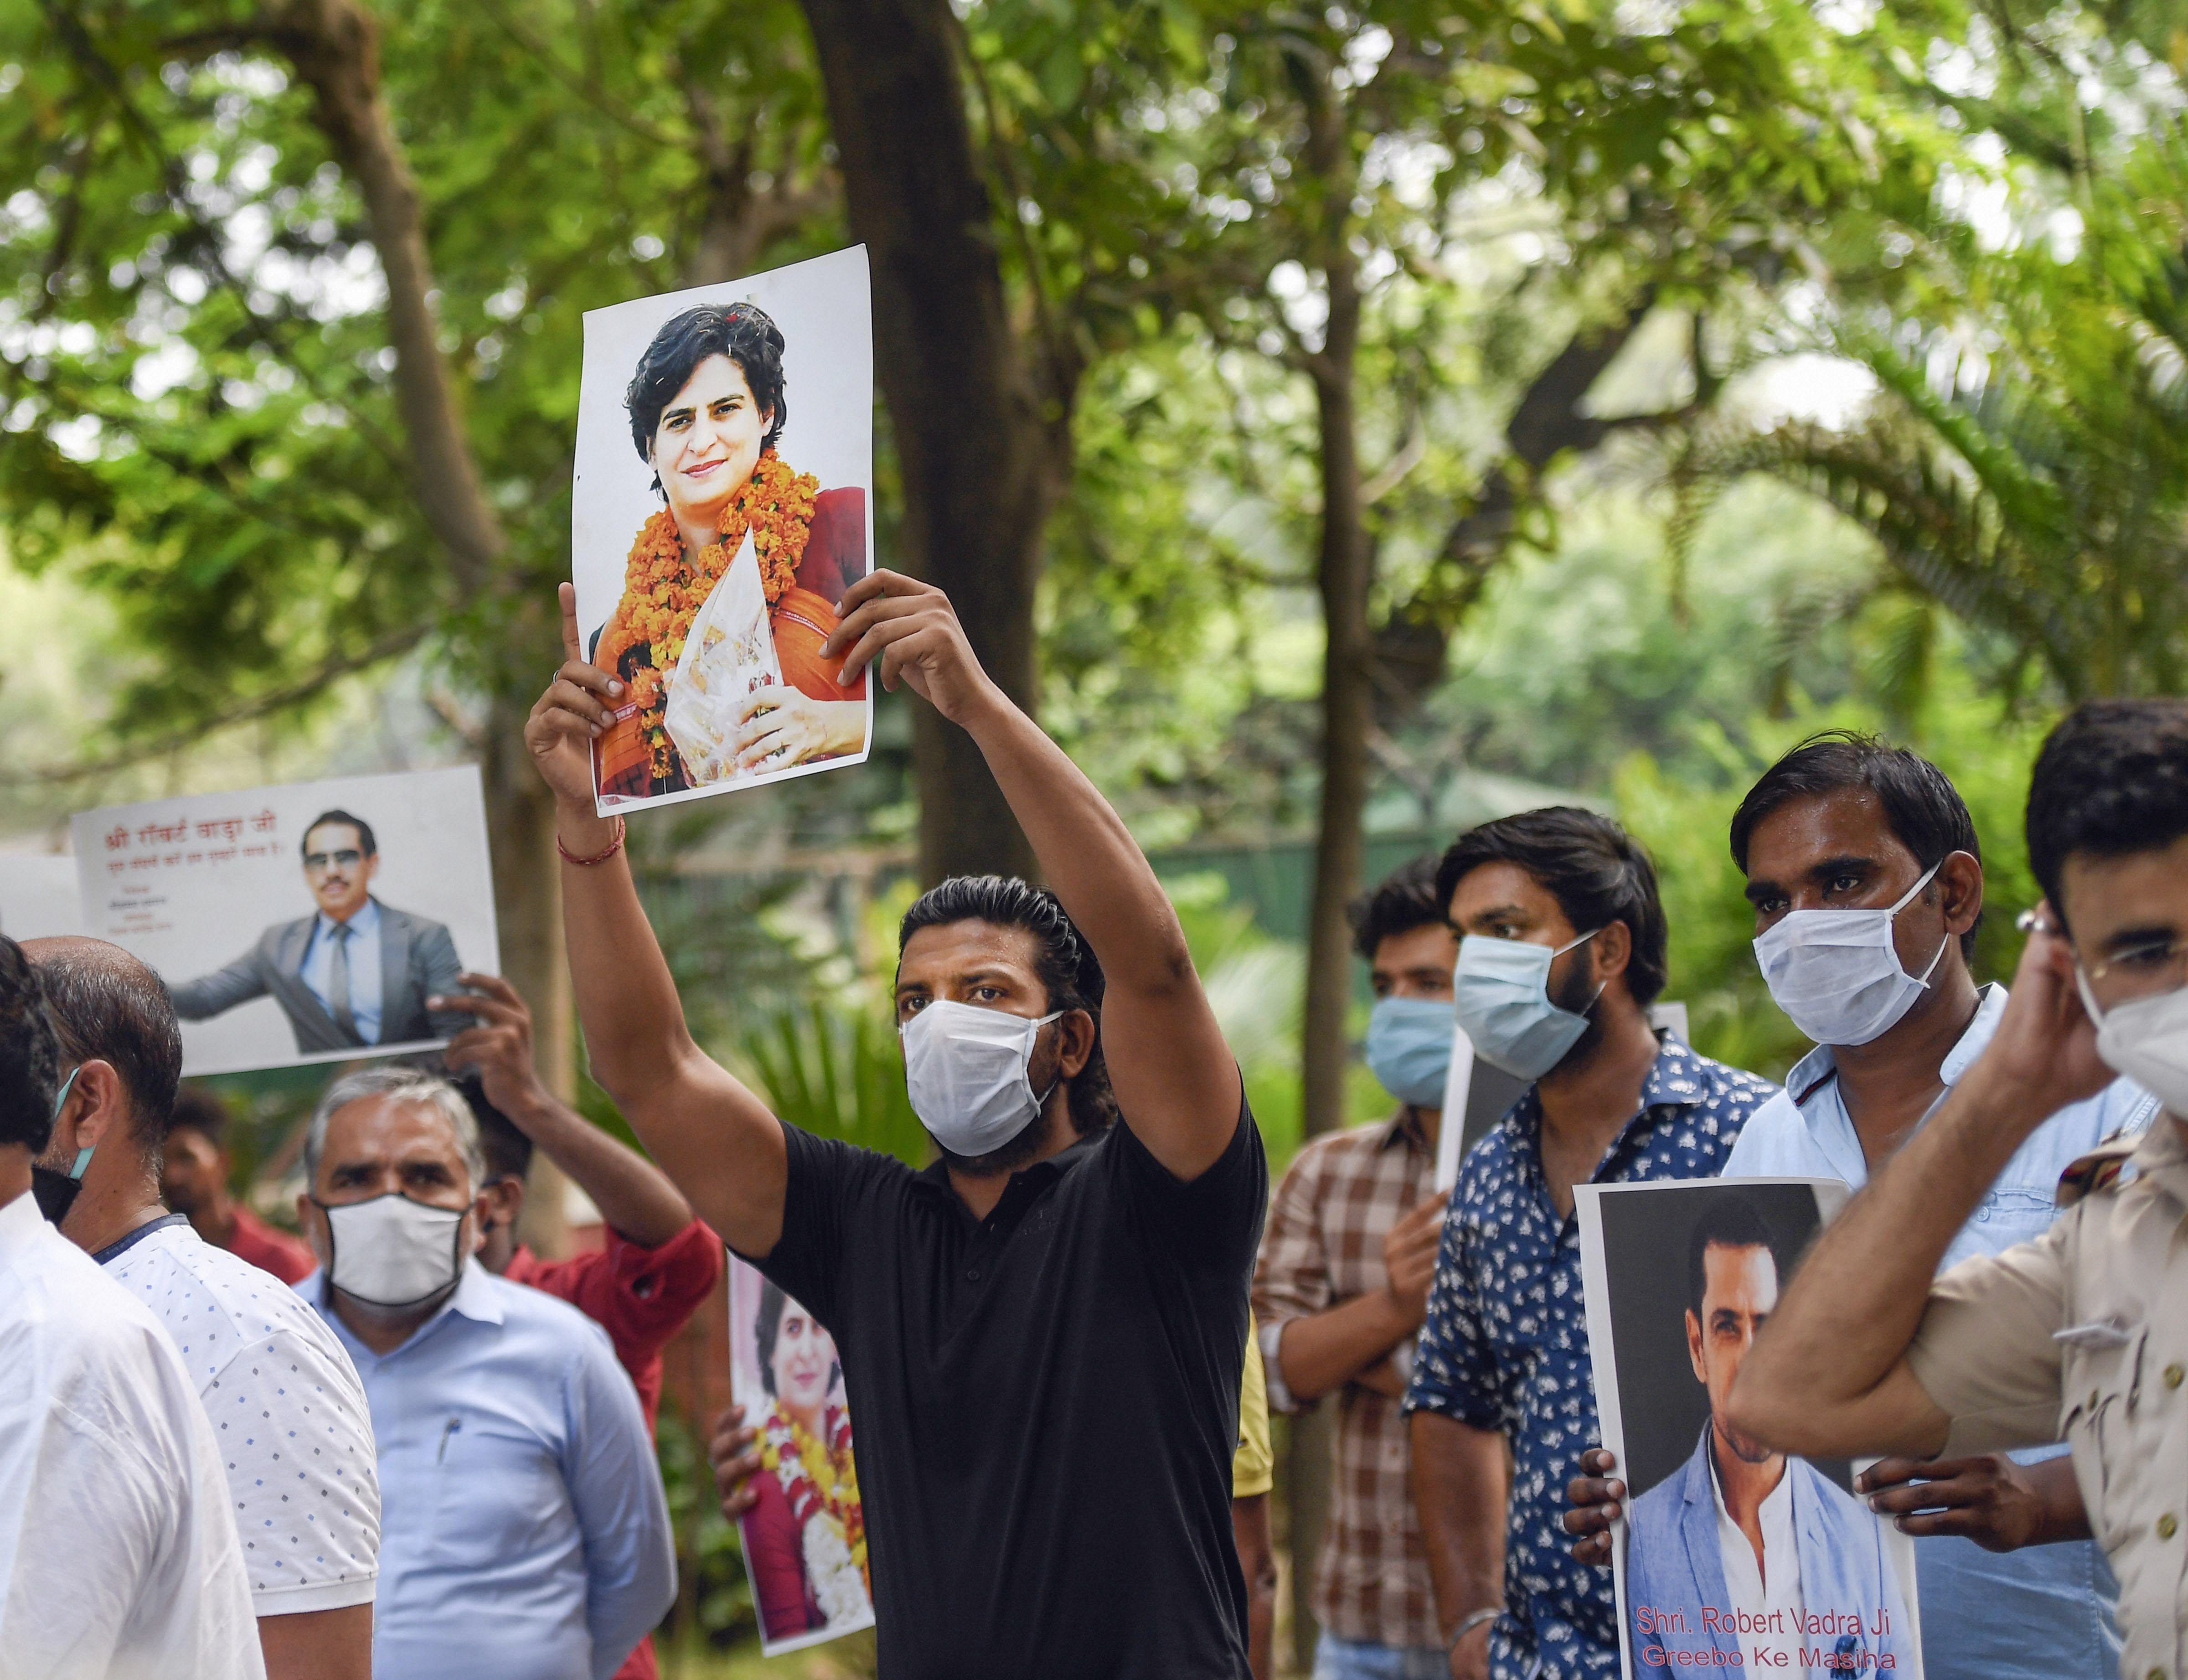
(1323, 1246)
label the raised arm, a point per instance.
(633, 1196)
(714, 1136)
(1176, 1081)
(1828, 1376)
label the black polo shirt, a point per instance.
(1044, 1403)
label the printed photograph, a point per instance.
(805, 1538)
(722, 503)
(309, 922)
(1733, 1554)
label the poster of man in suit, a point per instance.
(312, 922)
(1734, 1554)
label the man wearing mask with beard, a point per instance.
(1866, 876)
(1042, 1335)
(524, 1531)
(2080, 1333)
(1342, 1287)
(1562, 953)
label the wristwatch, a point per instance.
(1472, 1623)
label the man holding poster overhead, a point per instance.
(1044, 1330)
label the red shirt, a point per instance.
(288, 1258)
(641, 1297)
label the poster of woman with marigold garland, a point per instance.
(711, 536)
(805, 1536)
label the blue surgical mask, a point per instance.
(1409, 1048)
(1504, 1003)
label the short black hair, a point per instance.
(1066, 963)
(364, 831)
(1406, 899)
(2112, 778)
(1922, 809)
(743, 332)
(105, 1004)
(1727, 1221)
(1596, 871)
(508, 1151)
(29, 1052)
(768, 1326)
(202, 1110)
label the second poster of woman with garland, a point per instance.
(804, 1539)
(722, 503)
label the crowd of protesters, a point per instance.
(400, 1444)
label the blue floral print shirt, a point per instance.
(1505, 1346)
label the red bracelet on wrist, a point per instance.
(602, 856)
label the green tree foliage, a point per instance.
(2026, 462)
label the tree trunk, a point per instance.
(983, 450)
(333, 46)
(1342, 571)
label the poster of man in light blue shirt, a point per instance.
(1736, 1555)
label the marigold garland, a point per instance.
(663, 591)
(817, 1479)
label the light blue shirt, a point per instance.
(2046, 1611)
(524, 1533)
(365, 975)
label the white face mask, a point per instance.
(392, 1252)
(966, 1068)
(2147, 1040)
(1837, 974)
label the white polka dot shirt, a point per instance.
(289, 1412)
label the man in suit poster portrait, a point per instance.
(355, 974)
(1742, 1551)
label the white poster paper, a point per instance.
(722, 503)
(302, 924)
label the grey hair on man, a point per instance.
(404, 1084)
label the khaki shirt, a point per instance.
(2083, 1335)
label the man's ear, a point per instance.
(501, 1201)
(1694, 1346)
(1614, 950)
(372, 868)
(1959, 883)
(100, 1105)
(1074, 1043)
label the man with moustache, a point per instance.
(355, 974)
